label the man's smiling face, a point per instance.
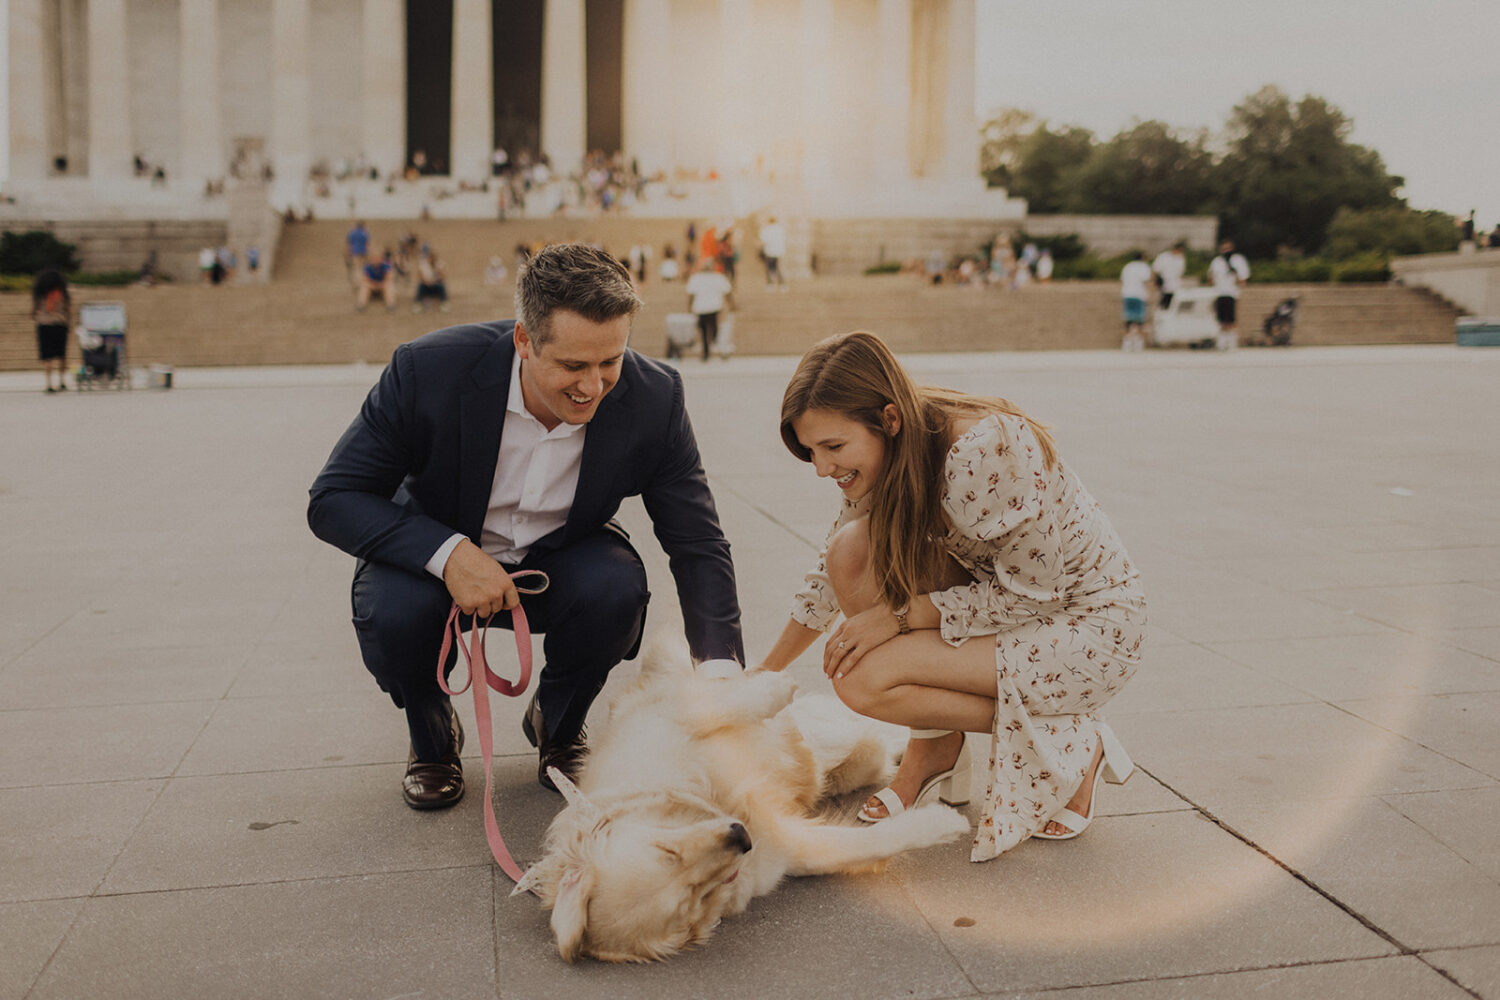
(563, 380)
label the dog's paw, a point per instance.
(929, 825)
(777, 689)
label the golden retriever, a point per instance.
(699, 795)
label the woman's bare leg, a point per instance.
(914, 680)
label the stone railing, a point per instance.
(1107, 235)
(1470, 279)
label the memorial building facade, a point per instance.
(834, 107)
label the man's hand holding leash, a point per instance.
(479, 585)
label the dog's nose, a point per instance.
(739, 837)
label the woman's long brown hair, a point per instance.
(857, 376)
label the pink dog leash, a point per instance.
(474, 659)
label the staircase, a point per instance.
(305, 314)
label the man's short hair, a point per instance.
(575, 277)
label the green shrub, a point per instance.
(1090, 268)
(1306, 269)
(93, 279)
(1064, 246)
(105, 278)
(33, 251)
(887, 267)
(1372, 267)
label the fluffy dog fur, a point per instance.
(697, 797)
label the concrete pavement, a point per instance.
(199, 782)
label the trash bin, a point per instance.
(1479, 331)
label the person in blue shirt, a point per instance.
(357, 249)
(377, 277)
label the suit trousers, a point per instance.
(591, 616)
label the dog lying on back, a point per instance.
(698, 796)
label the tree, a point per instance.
(999, 153)
(1028, 159)
(1048, 162)
(1146, 170)
(1289, 169)
(1391, 230)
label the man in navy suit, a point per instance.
(494, 447)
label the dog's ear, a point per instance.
(570, 912)
(572, 795)
(539, 877)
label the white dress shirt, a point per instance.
(536, 477)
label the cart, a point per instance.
(682, 335)
(1188, 320)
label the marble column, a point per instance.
(925, 136)
(892, 91)
(383, 91)
(819, 136)
(737, 141)
(564, 85)
(291, 125)
(473, 90)
(200, 138)
(26, 102)
(650, 99)
(961, 126)
(110, 138)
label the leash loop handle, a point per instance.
(478, 666)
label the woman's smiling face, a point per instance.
(843, 449)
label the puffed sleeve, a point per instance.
(814, 606)
(999, 492)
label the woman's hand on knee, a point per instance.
(857, 637)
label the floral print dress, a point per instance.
(1054, 590)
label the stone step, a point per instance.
(312, 320)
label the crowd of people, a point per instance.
(1163, 279)
(409, 261)
(1002, 266)
(708, 268)
(524, 183)
(217, 265)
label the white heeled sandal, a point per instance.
(1115, 766)
(950, 787)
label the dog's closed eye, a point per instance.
(668, 855)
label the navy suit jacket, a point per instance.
(418, 464)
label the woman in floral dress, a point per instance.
(982, 590)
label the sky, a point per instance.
(1421, 81)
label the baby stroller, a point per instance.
(682, 334)
(101, 338)
(1278, 326)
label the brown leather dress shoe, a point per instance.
(565, 755)
(436, 784)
